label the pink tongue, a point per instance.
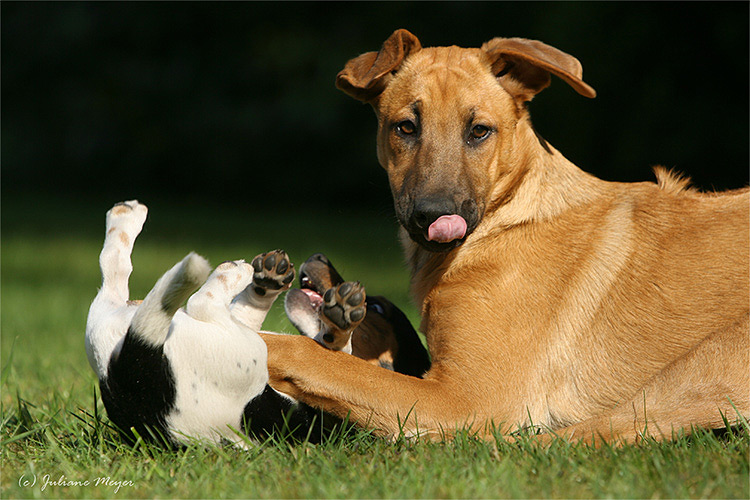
(447, 228)
(315, 299)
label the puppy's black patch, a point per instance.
(270, 413)
(139, 390)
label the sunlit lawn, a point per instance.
(52, 426)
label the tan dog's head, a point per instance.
(447, 120)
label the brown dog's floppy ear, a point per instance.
(524, 66)
(366, 76)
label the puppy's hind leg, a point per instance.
(211, 303)
(109, 314)
(273, 273)
(139, 387)
(124, 223)
(152, 319)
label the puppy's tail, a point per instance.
(153, 317)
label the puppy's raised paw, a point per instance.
(127, 218)
(344, 306)
(272, 271)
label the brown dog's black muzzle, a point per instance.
(438, 223)
(428, 210)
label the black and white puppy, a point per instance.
(176, 375)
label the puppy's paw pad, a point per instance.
(344, 305)
(272, 271)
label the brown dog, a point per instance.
(548, 297)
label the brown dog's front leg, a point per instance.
(370, 396)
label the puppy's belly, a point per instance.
(217, 370)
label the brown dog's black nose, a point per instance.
(428, 210)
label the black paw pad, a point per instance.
(357, 314)
(282, 266)
(270, 261)
(345, 305)
(273, 271)
(345, 288)
(355, 299)
(335, 314)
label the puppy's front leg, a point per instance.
(343, 310)
(273, 274)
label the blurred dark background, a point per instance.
(235, 102)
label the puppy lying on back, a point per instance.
(174, 375)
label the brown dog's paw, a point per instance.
(272, 271)
(344, 306)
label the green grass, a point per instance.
(52, 424)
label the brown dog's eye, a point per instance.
(479, 132)
(406, 127)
